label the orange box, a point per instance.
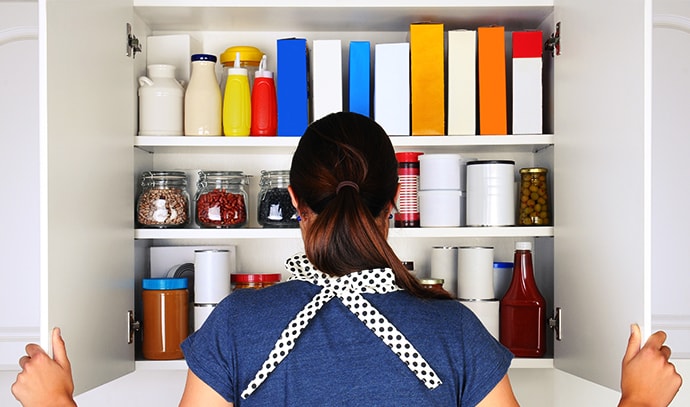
(427, 80)
(491, 65)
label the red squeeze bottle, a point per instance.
(522, 312)
(264, 105)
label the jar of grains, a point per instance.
(221, 201)
(275, 207)
(163, 201)
(534, 197)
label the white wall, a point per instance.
(19, 230)
(19, 290)
(670, 170)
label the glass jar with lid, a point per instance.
(534, 197)
(275, 208)
(163, 201)
(250, 57)
(221, 201)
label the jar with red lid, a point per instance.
(245, 280)
(221, 201)
(407, 214)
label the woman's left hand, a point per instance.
(45, 381)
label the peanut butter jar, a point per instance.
(165, 303)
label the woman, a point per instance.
(351, 326)
(366, 332)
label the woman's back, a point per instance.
(338, 360)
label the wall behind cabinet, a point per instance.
(19, 164)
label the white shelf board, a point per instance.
(517, 363)
(294, 233)
(523, 143)
(335, 15)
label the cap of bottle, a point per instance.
(262, 72)
(237, 69)
(523, 245)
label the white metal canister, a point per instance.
(490, 193)
(161, 102)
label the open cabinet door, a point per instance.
(86, 128)
(601, 182)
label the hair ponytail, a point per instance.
(345, 171)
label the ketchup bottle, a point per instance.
(264, 106)
(523, 309)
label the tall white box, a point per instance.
(527, 82)
(392, 88)
(174, 50)
(462, 82)
(327, 78)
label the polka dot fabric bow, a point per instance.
(348, 289)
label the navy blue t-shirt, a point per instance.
(338, 361)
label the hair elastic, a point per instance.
(346, 184)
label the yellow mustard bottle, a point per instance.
(237, 117)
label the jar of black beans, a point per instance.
(275, 207)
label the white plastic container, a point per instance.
(487, 311)
(444, 265)
(441, 172)
(211, 275)
(441, 208)
(491, 193)
(203, 101)
(161, 102)
(475, 273)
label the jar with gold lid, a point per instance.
(534, 198)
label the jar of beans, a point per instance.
(534, 197)
(221, 201)
(275, 208)
(163, 201)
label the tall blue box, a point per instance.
(360, 77)
(292, 86)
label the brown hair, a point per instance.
(346, 235)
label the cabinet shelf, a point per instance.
(517, 363)
(294, 233)
(334, 15)
(166, 144)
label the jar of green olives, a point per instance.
(534, 198)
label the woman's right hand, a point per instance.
(648, 378)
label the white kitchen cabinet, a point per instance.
(599, 109)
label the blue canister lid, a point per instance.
(164, 283)
(503, 265)
(204, 57)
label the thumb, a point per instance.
(59, 350)
(634, 343)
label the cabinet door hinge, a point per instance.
(132, 326)
(553, 44)
(133, 45)
(555, 323)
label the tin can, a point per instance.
(491, 193)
